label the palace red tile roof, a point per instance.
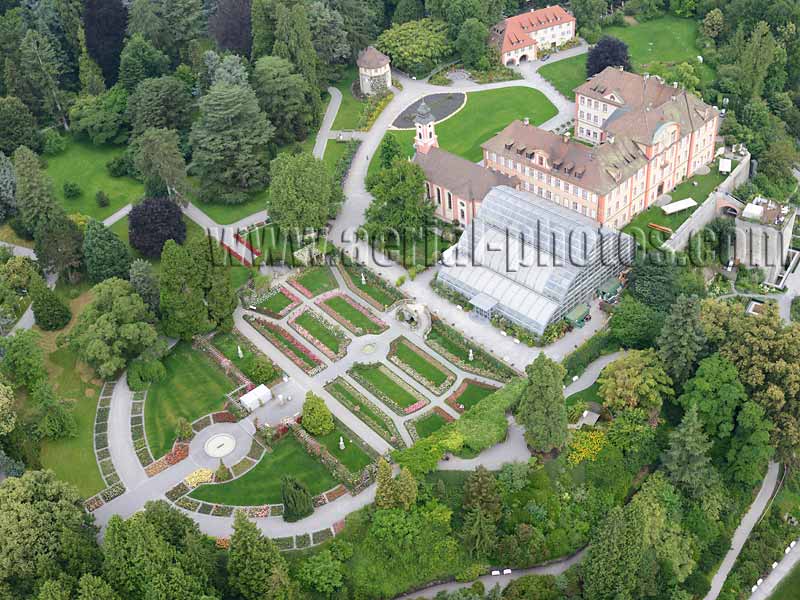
(514, 32)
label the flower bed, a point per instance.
(335, 493)
(258, 512)
(224, 416)
(301, 356)
(176, 492)
(259, 304)
(376, 325)
(322, 535)
(420, 365)
(454, 347)
(343, 341)
(93, 503)
(384, 296)
(373, 376)
(366, 410)
(179, 452)
(100, 439)
(201, 423)
(300, 288)
(437, 413)
(453, 399)
(112, 492)
(187, 503)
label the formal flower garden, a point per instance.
(286, 343)
(377, 292)
(277, 303)
(314, 281)
(421, 366)
(328, 339)
(428, 423)
(395, 393)
(352, 316)
(468, 394)
(366, 410)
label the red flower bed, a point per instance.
(338, 527)
(300, 288)
(224, 417)
(444, 414)
(179, 452)
(335, 493)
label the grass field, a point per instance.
(421, 363)
(376, 377)
(638, 227)
(351, 107)
(473, 394)
(225, 214)
(429, 425)
(276, 303)
(358, 319)
(229, 344)
(317, 280)
(352, 457)
(484, 114)
(85, 164)
(314, 325)
(385, 294)
(262, 484)
(590, 394)
(664, 41)
(194, 386)
(456, 344)
(371, 415)
(333, 152)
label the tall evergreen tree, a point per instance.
(262, 22)
(230, 143)
(157, 156)
(105, 22)
(91, 77)
(169, 26)
(256, 569)
(406, 489)
(91, 587)
(385, 496)
(35, 200)
(481, 493)
(145, 282)
(50, 311)
(297, 500)
(37, 80)
(283, 96)
(105, 255)
(140, 60)
(17, 126)
(183, 311)
(230, 26)
(59, 246)
(541, 409)
(293, 42)
(682, 339)
(479, 533)
(301, 192)
(54, 418)
(750, 449)
(161, 102)
(687, 459)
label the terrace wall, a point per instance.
(708, 210)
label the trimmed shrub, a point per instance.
(72, 190)
(142, 373)
(50, 311)
(152, 223)
(297, 500)
(101, 199)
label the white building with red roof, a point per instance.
(527, 36)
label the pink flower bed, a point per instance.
(280, 338)
(321, 302)
(309, 337)
(294, 303)
(258, 512)
(224, 417)
(300, 288)
(415, 407)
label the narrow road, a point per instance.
(785, 566)
(742, 532)
(327, 122)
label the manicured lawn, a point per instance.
(366, 411)
(789, 588)
(456, 344)
(429, 425)
(284, 340)
(484, 114)
(566, 75)
(590, 394)
(341, 306)
(333, 152)
(229, 343)
(383, 293)
(350, 109)
(352, 457)
(194, 386)
(225, 214)
(422, 364)
(375, 376)
(85, 164)
(72, 459)
(317, 280)
(314, 325)
(276, 303)
(262, 484)
(418, 253)
(473, 394)
(638, 227)
(665, 41)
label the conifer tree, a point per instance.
(687, 459)
(479, 533)
(8, 188)
(297, 500)
(481, 493)
(682, 339)
(145, 282)
(183, 311)
(50, 311)
(317, 417)
(385, 496)
(35, 201)
(256, 569)
(105, 255)
(406, 489)
(541, 409)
